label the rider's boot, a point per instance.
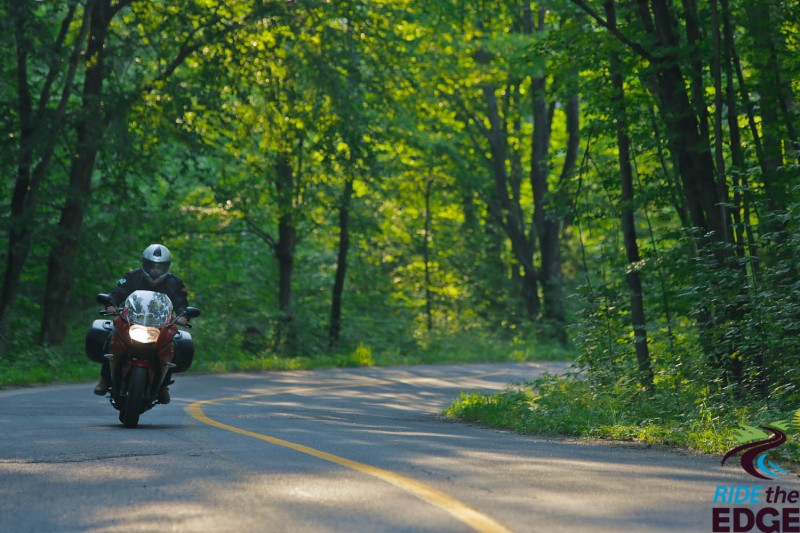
(163, 395)
(102, 387)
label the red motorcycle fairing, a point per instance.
(130, 354)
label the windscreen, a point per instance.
(148, 308)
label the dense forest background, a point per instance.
(617, 180)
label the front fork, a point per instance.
(120, 372)
(165, 355)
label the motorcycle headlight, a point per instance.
(144, 334)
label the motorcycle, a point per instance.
(145, 344)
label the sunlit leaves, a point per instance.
(391, 94)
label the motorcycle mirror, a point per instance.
(191, 312)
(104, 299)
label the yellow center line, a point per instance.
(471, 517)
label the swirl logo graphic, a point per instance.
(754, 459)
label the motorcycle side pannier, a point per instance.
(184, 352)
(96, 339)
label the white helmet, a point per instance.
(156, 261)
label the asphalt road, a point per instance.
(335, 450)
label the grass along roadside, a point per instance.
(36, 365)
(569, 406)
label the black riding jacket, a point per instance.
(135, 280)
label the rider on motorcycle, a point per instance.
(154, 276)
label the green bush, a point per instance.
(570, 405)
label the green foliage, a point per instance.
(571, 405)
(384, 348)
(28, 364)
(228, 123)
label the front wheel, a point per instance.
(129, 416)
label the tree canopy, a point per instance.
(617, 177)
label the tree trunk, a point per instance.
(341, 264)
(677, 194)
(691, 149)
(633, 277)
(741, 192)
(546, 223)
(719, 136)
(695, 164)
(489, 269)
(546, 220)
(284, 252)
(764, 59)
(706, 196)
(507, 208)
(426, 256)
(89, 131)
(694, 38)
(552, 278)
(38, 132)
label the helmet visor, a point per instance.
(155, 270)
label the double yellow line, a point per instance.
(469, 516)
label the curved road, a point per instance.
(335, 450)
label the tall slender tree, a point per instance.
(628, 208)
(88, 134)
(97, 110)
(41, 119)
